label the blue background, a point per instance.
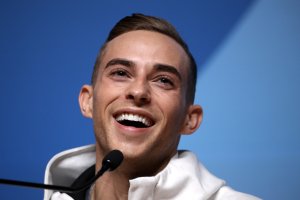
(249, 68)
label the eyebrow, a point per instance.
(120, 61)
(158, 67)
(168, 68)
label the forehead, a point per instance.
(147, 48)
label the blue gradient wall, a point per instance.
(250, 94)
(248, 53)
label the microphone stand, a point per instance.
(110, 162)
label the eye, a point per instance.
(119, 73)
(165, 82)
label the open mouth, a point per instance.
(134, 120)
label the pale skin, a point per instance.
(144, 74)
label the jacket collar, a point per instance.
(183, 178)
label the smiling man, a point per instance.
(141, 102)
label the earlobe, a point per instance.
(193, 119)
(86, 101)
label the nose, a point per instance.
(139, 93)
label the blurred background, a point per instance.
(248, 85)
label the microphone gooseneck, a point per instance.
(110, 162)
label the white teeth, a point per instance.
(132, 117)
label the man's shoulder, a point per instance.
(66, 166)
(227, 193)
(214, 187)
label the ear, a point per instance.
(193, 119)
(86, 101)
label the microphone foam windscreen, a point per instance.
(113, 158)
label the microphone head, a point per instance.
(113, 159)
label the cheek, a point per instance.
(104, 97)
(173, 108)
(106, 90)
(176, 109)
(172, 101)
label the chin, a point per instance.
(133, 152)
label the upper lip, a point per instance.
(142, 113)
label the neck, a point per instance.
(114, 185)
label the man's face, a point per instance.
(139, 98)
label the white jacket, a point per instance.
(183, 178)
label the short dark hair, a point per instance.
(155, 24)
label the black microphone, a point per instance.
(110, 162)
